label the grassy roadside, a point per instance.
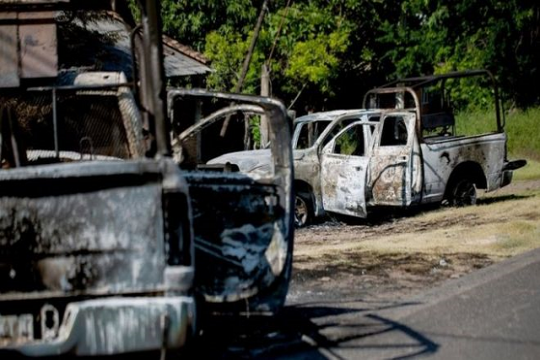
(503, 224)
(398, 258)
(505, 227)
(531, 171)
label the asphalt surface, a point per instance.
(493, 313)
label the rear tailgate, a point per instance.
(75, 233)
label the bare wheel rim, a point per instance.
(301, 211)
(464, 193)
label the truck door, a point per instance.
(344, 165)
(391, 170)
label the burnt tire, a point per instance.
(461, 192)
(303, 209)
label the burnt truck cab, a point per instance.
(414, 154)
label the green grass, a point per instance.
(531, 171)
(522, 128)
(519, 235)
(475, 122)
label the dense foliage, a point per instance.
(326, 54)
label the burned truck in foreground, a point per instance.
(107, 246)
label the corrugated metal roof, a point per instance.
(181, 60)
(186, 50)
(114, 54)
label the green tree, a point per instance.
(440, 36)
(190, 21)
(306, 40)
(328, 53)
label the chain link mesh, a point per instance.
(90, 126)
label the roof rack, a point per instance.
(422, 81)
(412, 84)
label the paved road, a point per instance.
(493, 313)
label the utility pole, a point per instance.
(265, 80)
(247, 61)
(265, 91)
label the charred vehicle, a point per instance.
(99, 226)
(243, 225)
(96, 244)
(419, 157)
(402, 150)
(311, 133)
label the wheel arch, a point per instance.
(302, 186)
(304, 191)
(468, 169)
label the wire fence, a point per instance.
(49, 126)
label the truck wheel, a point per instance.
(302, 209)
(462, 193)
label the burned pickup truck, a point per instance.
(401, 150)
(311, 132)
(243, 226)
(107, 246)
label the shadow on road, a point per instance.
(313, 331)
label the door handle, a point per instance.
(402, 160)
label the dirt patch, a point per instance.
(516, 187)
(377, 276)
(399, 223)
